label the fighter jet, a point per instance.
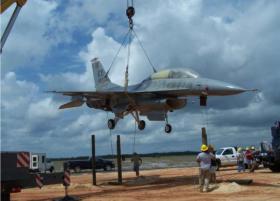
(162, 92)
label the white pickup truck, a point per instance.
(226, 156)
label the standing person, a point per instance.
(240, 160)
(254, 159)
(137, 161)
(204, 161)
(213, 166)
(249, 157)
(245, 158)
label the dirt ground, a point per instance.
(163, 184)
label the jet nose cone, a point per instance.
(234, 89)
(224, 89)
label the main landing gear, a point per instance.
(141, 123)
(168, 127)
(111, 124)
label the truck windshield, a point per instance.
(219, 151)
(228, 152)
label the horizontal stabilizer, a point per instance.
(74, 103)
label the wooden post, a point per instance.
(204, 136)
(93, 160)
(119, 159)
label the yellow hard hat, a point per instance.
(203, 147)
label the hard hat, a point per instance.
(203, 147)
(252, 147)
(239, 149)
(247, 148)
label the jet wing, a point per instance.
(109, 94)
(92, 94)
(78, 96)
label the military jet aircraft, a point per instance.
(164, 91)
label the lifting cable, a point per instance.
(134, 138)
(130, 12)
(128, 58)
(145, 52)
(116, 55)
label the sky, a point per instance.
(53, 41)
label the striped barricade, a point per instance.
(66, 178)
(39, 180)
(23, 159)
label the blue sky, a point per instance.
(52, 43)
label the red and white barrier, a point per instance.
(39, 180)
(66, 178)
(23, 159)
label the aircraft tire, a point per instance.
(168, 128)
(141, 125)
(111, 124)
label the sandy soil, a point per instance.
(165, 184)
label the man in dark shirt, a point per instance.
(213, 166)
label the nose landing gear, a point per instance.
(168, 127)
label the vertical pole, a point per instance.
(93, 160)
(66, 191)
(204, 136)
(119, 160)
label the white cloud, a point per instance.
(43, 109)
(28, 43)
(16, 94)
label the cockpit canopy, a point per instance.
(174, 74)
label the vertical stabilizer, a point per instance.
(102, 81)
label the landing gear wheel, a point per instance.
(141, 125)
(111, 124)
(168, 128)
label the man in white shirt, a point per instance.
(204, 161)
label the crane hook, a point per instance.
(130, 12)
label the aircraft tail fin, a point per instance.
(102, 81)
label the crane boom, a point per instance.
(4, 5)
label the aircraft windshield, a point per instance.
(174, 74)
